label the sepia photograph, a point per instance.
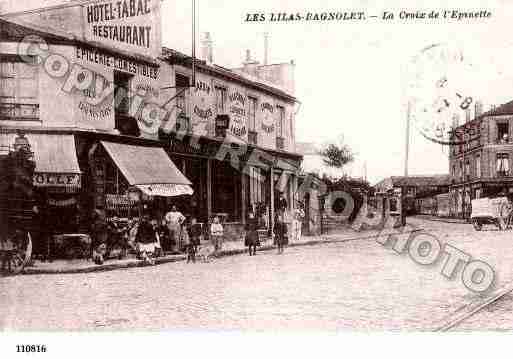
(263, 167)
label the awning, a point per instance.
(165, 190)
(148, 168)
(55, 156)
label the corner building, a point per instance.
(216, 146)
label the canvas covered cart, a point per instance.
(495, 211)
(16, 209)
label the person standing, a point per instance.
(216, 232)
(280, 232)
(195, 232)
(174, 220)
(251, 239)
(299, 215)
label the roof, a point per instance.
(418, 180)
(144, 165)
(177, 57)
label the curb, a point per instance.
(445, 220)
(179, 258)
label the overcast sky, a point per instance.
(348, 75)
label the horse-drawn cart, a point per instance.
(16, 210)
(495, 211)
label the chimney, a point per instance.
(250, 65)
(455, 121)
(266, 48)
(478, 109)
(207, 48)
(468, 116)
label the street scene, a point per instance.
(229, 178)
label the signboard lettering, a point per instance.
(237, 109)
(267, 117)
(132, 25)
(56, 180)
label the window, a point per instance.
(461, 169)
(182, 85)
(502, 132)
(19, 94)
(502, 164)
(281, 120)
(252, 113)
(221, 99)
(125, 124)
(454, 170)
(478, 166)
(467, 169)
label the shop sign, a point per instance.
(237, 109)
(203, 105)
(267, 117)
(116, 62)
(56, 179)
(130, 25)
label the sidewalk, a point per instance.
(229, 249)
(428, 217)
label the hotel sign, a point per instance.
(130, 25)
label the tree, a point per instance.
(336, 155)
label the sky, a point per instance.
(354, 79)
(350, 76)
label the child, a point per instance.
(216, 231)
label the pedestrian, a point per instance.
(297, 222)
(280, 232)
(281, 203)
(145, 239)
(216, 232)
(251, 238)
(174, 220)
(100, 234)
(195, 235)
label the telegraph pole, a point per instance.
(407, 149)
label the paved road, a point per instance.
(358, 285)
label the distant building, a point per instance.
(479, 159)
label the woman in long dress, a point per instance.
(251, 238)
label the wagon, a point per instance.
(16, 210)
(495, 211)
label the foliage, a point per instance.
(336, 156)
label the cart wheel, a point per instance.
(477, 225)
(15, 259)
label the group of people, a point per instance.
(174, 233)
(283, 220)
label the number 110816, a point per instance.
(31, 348)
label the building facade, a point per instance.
(479, 159)
(107, 110)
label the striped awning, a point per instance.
(55, 156)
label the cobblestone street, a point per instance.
(355, 285)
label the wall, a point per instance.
(202, 109)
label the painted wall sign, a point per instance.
(237, 101)
(267, 111)
(131, 25)
(56, 180)
(96, 56)
(203, 105)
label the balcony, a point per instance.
(253, 137)
(280, 143)
(19, 111)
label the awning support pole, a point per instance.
(209, 189)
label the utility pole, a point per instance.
(407, 149)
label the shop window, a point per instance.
(478, 166)
(502, 164)
(221, 95)
(252, 133)
(125, 124)
(502, 132)
(19, 94)
(182, 87)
